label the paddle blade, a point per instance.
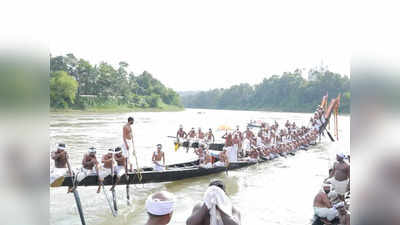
(58, 182)
(176, 146)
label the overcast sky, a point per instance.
(199, 45)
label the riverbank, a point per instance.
(118, 108)
(267, 110)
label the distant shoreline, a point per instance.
(264, 110)
(117, 109)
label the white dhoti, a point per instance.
(119, 170)
(104, 172)
(83, 173)
(207, 166)
(125, 151)
(339, 186)
(57, 173)
(328, 213)
(232, 154)
(157, 166)
(219, 164)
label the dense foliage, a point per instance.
(288, 92)
(102, 85)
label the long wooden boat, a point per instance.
(174, 172)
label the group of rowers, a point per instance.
(113, 161)
(332, 203)
(270, 142)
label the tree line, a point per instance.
(288, 92)
(75, 83)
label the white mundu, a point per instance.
(57, 173)
(125, 151)
(104, 172)
(119, 170)
(157, 164)
(328, 213)
(232, 153)
(83, 172)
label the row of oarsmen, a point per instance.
(113, 162)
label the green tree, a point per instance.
(63, 89)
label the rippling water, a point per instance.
(276, 192)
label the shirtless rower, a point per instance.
(340, 176)
(248, 133)
(105, 169)
(191, 136)
(158, 155)
(200, 135)
(60, 157)
(200, 153)
(207, 163)
(90, 165)
(127, 137)
(180, 134)
(210, 136)
(344, 216)
(121, 167)
(322, 206)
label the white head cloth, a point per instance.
(216, 196)
(158, 207)
(341, 155)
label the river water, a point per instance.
(277, 192)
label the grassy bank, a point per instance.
(118, 108)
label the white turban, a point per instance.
(341, 155)
(158, 207)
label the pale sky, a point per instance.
(199, 45)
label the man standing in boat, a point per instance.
(158, 155)
(340, 175)
(127, 144)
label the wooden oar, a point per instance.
(330, 136)
(76, 195)
(114, 213)
(113, 190)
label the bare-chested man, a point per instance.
(121, 167)
(200, 153)
(180, 134)
(340, 175)
(60, 157)
(200, 135)
(105, 169)
(322, 206)
(248, 133)
(158, 155)
(344, 216)
(210, 136)
(191, 137)
(90, 165)
(128, 143)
